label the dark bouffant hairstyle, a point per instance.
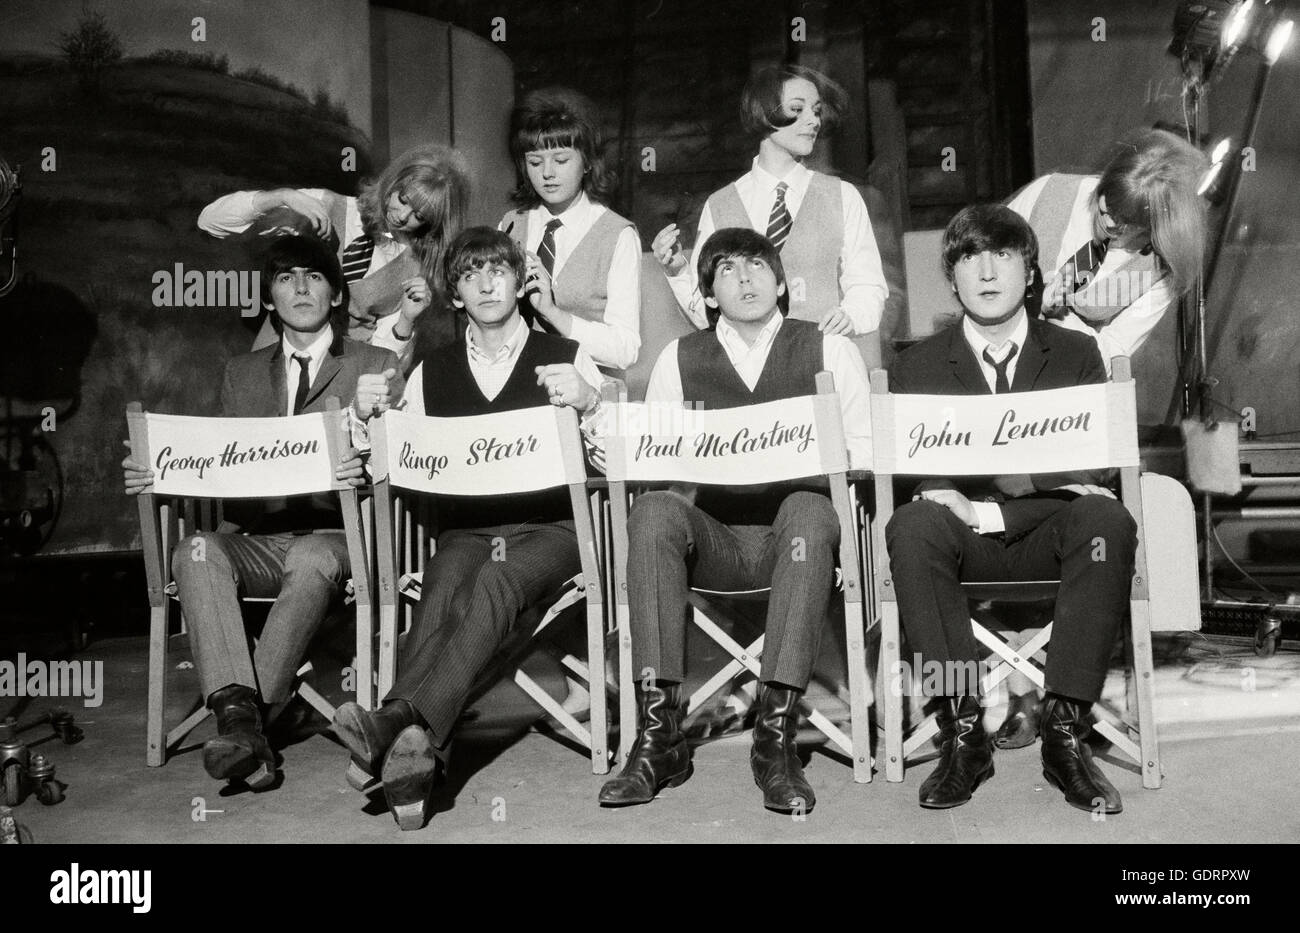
(559, 118)
(731, 243)
(760, 102)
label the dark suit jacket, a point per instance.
(1052, 358)
(255, 387)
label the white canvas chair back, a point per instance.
(1080, 428)
(198, 463)
(770, 442)
(526, 450)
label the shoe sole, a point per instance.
(786, 809)
(346, 729)
(957, 803)
(409, 773)
(1078, 806)
(676, 780)
(360, 779)
(236, 763)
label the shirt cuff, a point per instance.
(358, 431)
(988, 517)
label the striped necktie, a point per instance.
(780, 222)
(304, 381)
(1087, 261)
(356, 258)
(546, 252)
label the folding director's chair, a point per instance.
(824, 411)
(405, 526)
(1134, 737)
(167, 519)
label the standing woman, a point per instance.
(817, 222)
(391, 240)
(1118, 249)
(583, 260)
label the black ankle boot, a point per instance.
(660, 756)
(240, 751)
(1067, 759)
(965, 755)
(368, 734)
(774, 757)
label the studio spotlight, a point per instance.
(1277, 41)
(1235, 27)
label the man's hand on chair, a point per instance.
(954, 501)
(139, 478)
(351, 468)
(374, 394)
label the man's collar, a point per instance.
(508, 347)
(725, 329)
(324, 343)
(978, 342)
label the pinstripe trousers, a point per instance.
(475, 587)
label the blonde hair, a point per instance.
(1150, 182)
(434, 181)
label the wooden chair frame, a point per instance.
(747, 657)
(1137, 739)
(406, 531)
(164, 521)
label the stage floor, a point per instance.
(1230, 738)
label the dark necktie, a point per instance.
(304, 381)
(780, 222)
(1001, 384)
(546, 252)
(356, 258)
(1087, 261)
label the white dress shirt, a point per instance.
(492, 371)
(317, 349)
(839, 355)
(234, 213)
(862, 278)
(615, 340)
(979, 343)
(1128, 330)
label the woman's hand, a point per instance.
(836, 321)
(310, 208)
(416, 298)
(537, 286)
(668, 250)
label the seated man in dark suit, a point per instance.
(294, 549)
(742, 537)
(1009, 527)
(496, 556)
